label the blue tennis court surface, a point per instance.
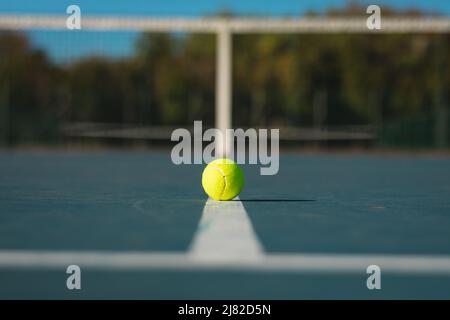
(140, 227)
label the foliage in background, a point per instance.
(279, 80)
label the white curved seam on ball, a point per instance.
(224, 178)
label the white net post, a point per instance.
(223, 88)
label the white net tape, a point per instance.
(236, 25)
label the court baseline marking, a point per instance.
(225, 240)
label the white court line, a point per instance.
(225, 240)
(225, 232)
(307, 263)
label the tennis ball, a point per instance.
(222, 179)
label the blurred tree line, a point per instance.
(397, 82)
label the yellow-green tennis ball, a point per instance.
(222, 179)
